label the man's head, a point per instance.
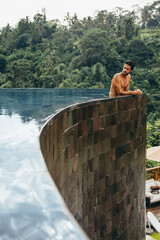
(128, 67)
(130, 63)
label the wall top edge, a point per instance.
(89, 102)
(93, 101)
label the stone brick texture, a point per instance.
(96, 153)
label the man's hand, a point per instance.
(137, 92)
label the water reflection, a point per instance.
(11, 125)
(30, 206)
(40, 103)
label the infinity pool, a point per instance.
(30, 205)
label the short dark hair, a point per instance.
(130, 63)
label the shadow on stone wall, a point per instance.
(95, 153)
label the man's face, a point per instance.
(126, 69)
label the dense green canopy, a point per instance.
(85, 53)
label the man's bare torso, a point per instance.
(120, 81)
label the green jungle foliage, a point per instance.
(86, 53)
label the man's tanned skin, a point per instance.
(121, 81)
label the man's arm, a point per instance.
(136, 92)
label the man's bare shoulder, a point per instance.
(116, 77)
(129, 77)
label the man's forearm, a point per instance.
(128, 92)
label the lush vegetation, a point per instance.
(153, 139)
(86, 53)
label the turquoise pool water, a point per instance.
(30, 205)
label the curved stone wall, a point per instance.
(95, 153)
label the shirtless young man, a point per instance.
(120, 82)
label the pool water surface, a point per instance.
(30, 205)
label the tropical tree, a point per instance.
(153, 134)
(19, 72)
(2, 63)
(93, 47)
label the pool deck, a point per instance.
(155, 209)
